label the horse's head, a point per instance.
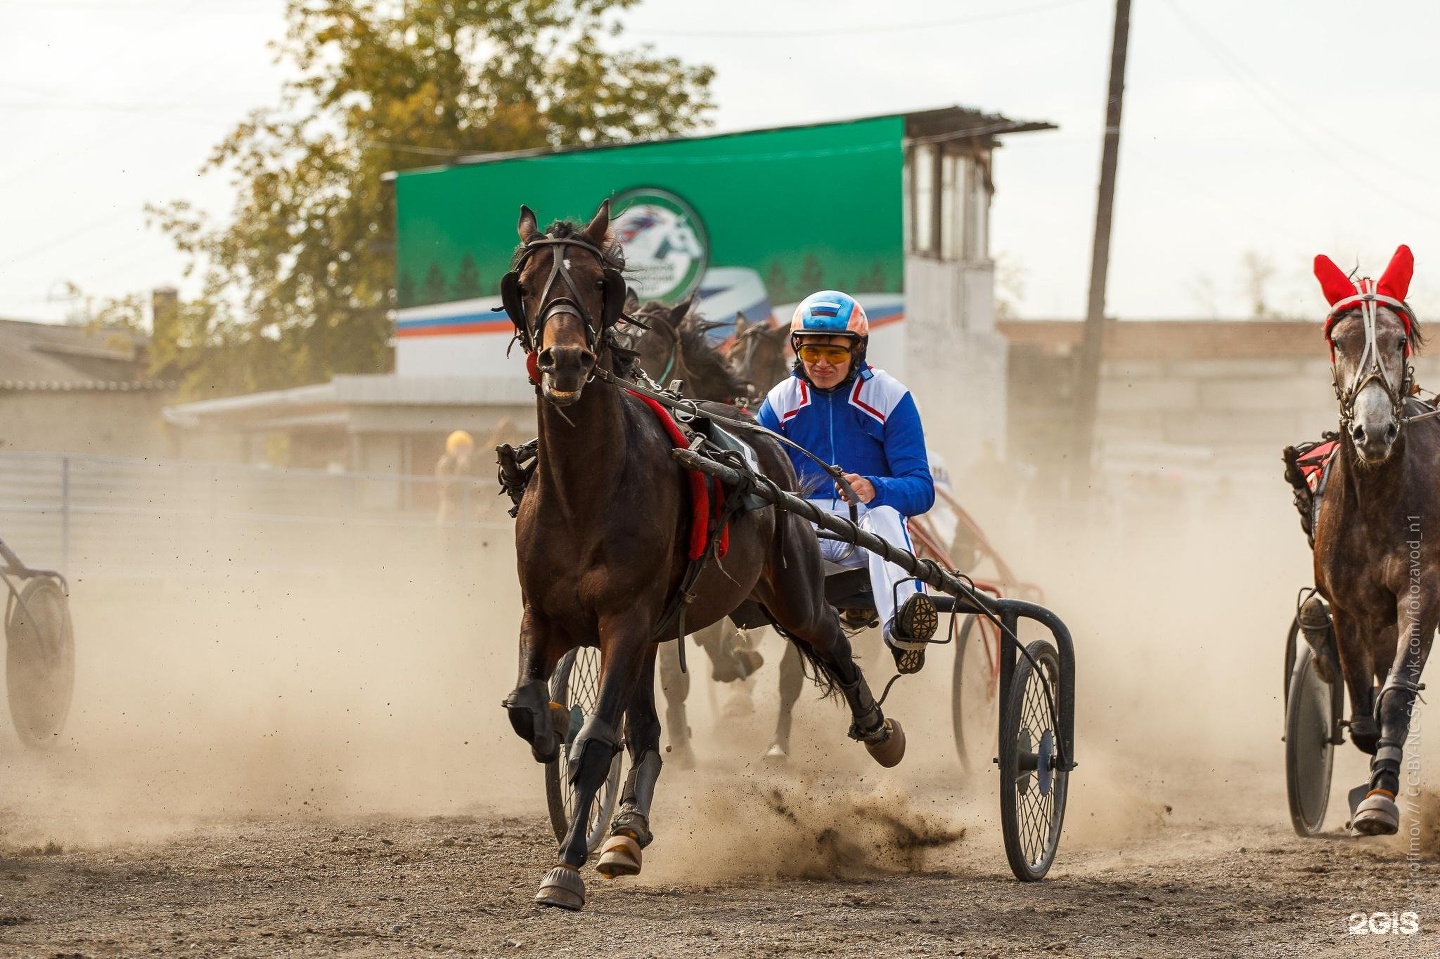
(661, 356)
(1371, 331)
(759, 354)
(564, 293)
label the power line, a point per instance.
(65, 238)
(1285, 112)
(852, 31)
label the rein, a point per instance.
(685, 411)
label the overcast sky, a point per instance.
(1278, 129)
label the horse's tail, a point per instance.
(810, 665)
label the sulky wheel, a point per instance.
(576, 685)
(974, 694)
(39, 660)
(1310, 714)
(1032, 788)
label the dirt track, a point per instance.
(405, 885)
(272, 766)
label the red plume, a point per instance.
(1396, 280)
(1333, 281)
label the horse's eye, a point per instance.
(1404, 342)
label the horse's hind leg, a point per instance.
(792, 681)
(793, 591)
(630, 832)
(676, 685)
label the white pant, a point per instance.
(886, 523)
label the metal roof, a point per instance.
(932, 125)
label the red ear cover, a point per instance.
(1395, 282)
(1333, 281)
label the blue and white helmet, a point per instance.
(832, 313)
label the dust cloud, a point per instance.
(348, 671)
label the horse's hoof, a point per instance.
(1377, 815)
(777, 755)
(620, 856)
(889, 751)
(563, 888)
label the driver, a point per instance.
(846, 412)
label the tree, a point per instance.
(1257, 271)
(297, 285)
(468, 284)
(812, 277)
(777, 287)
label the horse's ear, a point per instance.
(1333, 281)
(599, 225)
(632, 302)
(741, 325)
(527, 225)
(679, 311)
(1395, 282)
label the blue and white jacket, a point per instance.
(868, 426)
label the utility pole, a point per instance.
(1088, 375)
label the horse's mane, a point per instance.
(703, 358)
(612, 257)
(612, 253)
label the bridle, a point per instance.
(1370, 369)
(570, 303)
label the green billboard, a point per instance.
(773, 214)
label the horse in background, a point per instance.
(672, 347)
(603, 544)
(1377, 536)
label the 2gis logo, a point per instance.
(1383, 923)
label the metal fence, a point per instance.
(95, 515)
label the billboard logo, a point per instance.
(666, 249)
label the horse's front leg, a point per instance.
(630, 832)
(1419, 612)
(1357, 665)
(625, 651)
(533, 716)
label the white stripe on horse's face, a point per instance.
(1374, 426)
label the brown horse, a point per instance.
(759, 355)
(672, 346)
(1377, 538)
(603, 545)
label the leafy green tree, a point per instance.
(298, 283)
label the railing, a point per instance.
(95, 514)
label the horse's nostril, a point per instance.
(1392, 432)
(546, 359)
(1358, 435)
